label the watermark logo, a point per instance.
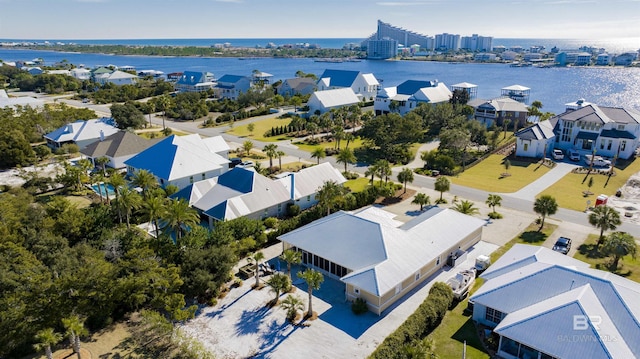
(581, 322)
(584, 323)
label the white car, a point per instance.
(574, 155)
(597, 161)
(558, 155)
(246, 164)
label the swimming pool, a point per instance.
(102, 186)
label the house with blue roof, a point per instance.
(242, 192)
(409, 94)
(193, 81)
(378, 258)
(365, 86)
(543, 304)
(588, 128)
(231, 86)
(182, 160)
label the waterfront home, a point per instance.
(469, 88)
(116, 77)
(242, 192)
(82, 133)
(324, 101)
(517, 92)
(536, 141)
(261, 78)
(625, 59)
(118, 148)
(22, 101)
(193, 81)
(81, 73)
(543, 304)
(498, 110)
(365, 86)
(406, 96)
(379, 259)
(231, 86)
(182, 160)
(296, 86)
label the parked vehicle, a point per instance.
(557, 155)
(462, 282)
(235, 161)
(246, 164)
(573, 155)
(482, 262)
(563, 245)
(597, 161)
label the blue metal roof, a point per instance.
(340, 78)
(582, 135)
(231, 78)
(192, 78)
(410, 87)
(239, 179)
(218, 212)
(617, 134)
(157, 159)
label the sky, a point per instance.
(149, 19)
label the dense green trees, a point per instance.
(391, 135)
(127, 116)
(605, 218)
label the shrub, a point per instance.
(495, 215)
(359, 306)
(293, 209)
(271, 222)
(350, 175)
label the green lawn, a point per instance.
(261, 127)
(628, 267)
(530, 235)
(358, 184)
(159, 134)
(568, 190)
(456, 328)
(487, 175)
(309, 148)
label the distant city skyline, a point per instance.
(146, 19)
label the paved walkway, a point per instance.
(417, 161)
(530, 191)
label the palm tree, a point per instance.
(313, 279)
(329, 194)
(349, 137)
(346, 156)
(618, 245)
(84, 165)
(466, 207)
(280, 154)
(291, 257)
(493, 200)
(442, 185)
(154, 208)
(383, 170)
(247, 146)
(145, 180)
(179, 216)
(75, 328)
(128, 201)
(279, 283)
(117, 182)
(605, 218)
(406, 175)
(271, 150)
(163, 103)
(46, 338)
(545, 205)
(102, 162)
(292, 305)
(256, 258)
(421, 199)
(318, 153)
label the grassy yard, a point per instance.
(627, 267)
(455, 328)
(309, 148)
(487, 175)
(568, 190)
(530, 235)
(159, 134)
(261, 127)
(358, 184)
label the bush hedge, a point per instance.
(419, 324)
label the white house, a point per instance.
(409, 94)
(182, 160)
(231, 86)
(81, 132)
(117, 78)
(324, 101)
(242, 192)
(378, 258)
(534, 140)
(81, 73)
(22, 101)
(364, 85)
(543, 304)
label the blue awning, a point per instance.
(582, 135)
(617, 134)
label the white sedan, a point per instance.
(597, 161)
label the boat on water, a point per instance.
(462, 282)
(332, 60)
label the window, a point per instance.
(191, 179)
(308, 198)
(566, 132)
(493, 315)
(417, 276)
(620, 127)
(609, 145)
(623, 145)
(438, 260)
(203, 176)
(279, 207)
(356, 291)
(526, 147)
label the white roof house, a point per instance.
(14, 102)
(82, 132)
(324, 101)
(364, 85)
(532, 141)
(436, 94)
(532, 287)
(117, 77)
(306, 182)
(378, 258)
(182, 160)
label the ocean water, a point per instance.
(610, 86)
